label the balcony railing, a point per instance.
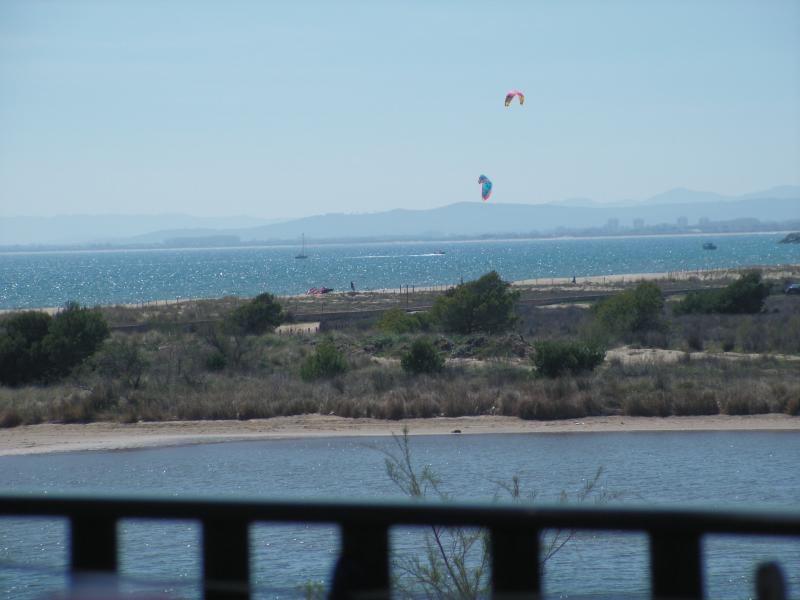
(362, 569)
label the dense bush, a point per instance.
(422, 358)
(554, 358)
(262, 314)
(37, 347)
(746, 295)
(700, 302)
(397, 320)
(633, 311)
(22, 357)
(486, 304)
(74, 335)
(325, 362)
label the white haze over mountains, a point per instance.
(687, 196)
(777, 204)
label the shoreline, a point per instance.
(50, 438)
(779, 270)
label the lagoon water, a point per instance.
(29, 280)
(718, 469)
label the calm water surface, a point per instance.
(725, 469)
(50, 279)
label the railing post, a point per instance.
(515, 563)
(226, 559)
(93, 546)
(362, 571)
(675, 565)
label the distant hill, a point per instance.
(687, 196)
(98, 229)
(478, 218)
(679, 208)
(781, 191)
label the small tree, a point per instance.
(422, 358)
(74, 335)
(22, 358)
(486, 304)
(325, 362)
(121, 358)
(262, 314)
(633, 311)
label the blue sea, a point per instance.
(709, 469)
(30, 280)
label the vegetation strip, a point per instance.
(535, 363)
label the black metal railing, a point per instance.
(362, 569)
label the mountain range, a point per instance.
(776, 205)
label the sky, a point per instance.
(288, 109)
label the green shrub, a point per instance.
(422, 358)
(74, 335)
(554, 358)
(746, 295)
(325, 362)
(22, 357)
(37, 347)
(216, 361)
(633, 311)
(700, 302)
(262, 314)
(398, 321)
(486, 304)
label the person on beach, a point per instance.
(352, 286)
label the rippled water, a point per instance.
(50, 279)
(723, 469)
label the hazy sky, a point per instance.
(288, 109)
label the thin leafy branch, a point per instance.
(455, 560)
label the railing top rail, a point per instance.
(383, 513)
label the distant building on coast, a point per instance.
(683, 221)
(638, 223)
(612, 225)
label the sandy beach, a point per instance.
(48, 438)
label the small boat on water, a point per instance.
(303, 250)
(709, 246)
(438, 253)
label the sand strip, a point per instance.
(47, 438)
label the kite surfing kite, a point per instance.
(510, 96)
(486, 187)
